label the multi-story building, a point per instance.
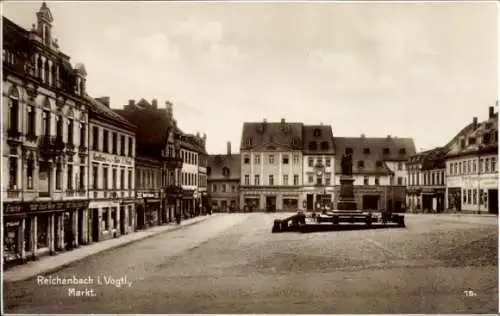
(318, 167)
(112, 175)
(426, 181)
(224, 173)
(203, 181)
(378, 166)
(271, 162)
(158, 161)
(45, 153)
(191, 147)
(472, 168)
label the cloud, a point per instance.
(113, 33)
(158, 47)
(200, 32)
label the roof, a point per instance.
(101, 110)
(153, 125)
(487, 127)
(217, 163)
(271, 136)
(191, 142)
(399, 150)
(318, 139)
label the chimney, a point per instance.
(283, 121)
(229, 148)
(104, 100)
(492, 112)
(362, 135)
(154, 103)
(474, 123)
(131, 102)
(169, 107)
(389, 136)
(204, 140)
(198, 135)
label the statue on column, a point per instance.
(346, 164)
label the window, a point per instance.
(246, 160)
(113, 178)
(95, 176)
(310, 162)
(58, 176)
(233, 188)
(122, 179)
(481, 165)
(59, 126)
(271, 179)
(400, 180)
(324, 146)
(469, 196)
(82, 178)
(464, 194)
(285, 159)
(285, 179)
(214, 187)
(319, 161)
(69, 185)
(313, 146)
(386, 151)
(493, 164)
(310, 179)
(95, 138)
(462, 143)
(474, 197)
(271, 159)
(481, 196)
(296, 179)
(317, 132)
(70, 132)
(319, 180)
(105, 177)
(115, 144)
(366, 151)
(348, 151)
(328, 162)
(472, 140)
(402, 151)
(14, 109)
(468, 166)
(474, 166)
(105, 218)
(486, 165)
(361, 164)
(296, 159)
(31, 120)
(105, 141)
(256, 159)
(247, 179)
(83, 141)
(378, 164)
(122, 145)
(223, 188)
(130, 147)
(377, 181)
(366, 181)
(486, 139)
(130, 179)
(400, 166)
(257, 179)
(225, 172)
(29, 173)
(328, 178)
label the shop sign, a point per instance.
(54, 206)
(112, 159)
(12, 208)
(146, 195)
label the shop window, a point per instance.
(11, 241)
(41, 230)
(114, 219)
(105, 219)
(464, 194)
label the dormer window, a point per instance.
(324, 145)
(248, 141)
(386, 151)
(313, 146)
(462, 143)
(472, 140)
(378, 164)
(317, 132)
(348, 151)
(209, 171)
(225, 172)
(361, 164)
(402, 151)
(486, 139)
(366, 151)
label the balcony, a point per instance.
(13, 135)
(82, 150)
(70, 149)
(51, 146)
(173, 162)
(13, 193)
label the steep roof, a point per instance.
(190, 142)
(370, 150)
(271, 136)
(318, 139)
(217, 163)
(487, 127)
(98, 109)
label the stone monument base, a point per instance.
(346, 200)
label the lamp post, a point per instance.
(320, 172)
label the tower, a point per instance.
(44, 23)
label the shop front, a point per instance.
(188, 203)
(35, 229)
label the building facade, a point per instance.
(158, 161)
(112, 175)
(472, 168)
(378, 166)
(271, 166)
(318, 168)
(191, 148)
(426, 181)
(44, 139)
(224, 174)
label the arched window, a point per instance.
(14, 109)
(324, 145)
(313, 146)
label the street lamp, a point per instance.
(320, 172)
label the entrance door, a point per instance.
(271, 203)
(122, 220)
(310, 202)
(370, 202)
(80, 227)
(493, 201)
(140, 217)
(95, 224)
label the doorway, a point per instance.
(310, 202)
(79, 238)
(95, 224)
(271, 203)
(122, 220)
(493, 201)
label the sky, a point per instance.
(420, 70)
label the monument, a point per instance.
(346, 201)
